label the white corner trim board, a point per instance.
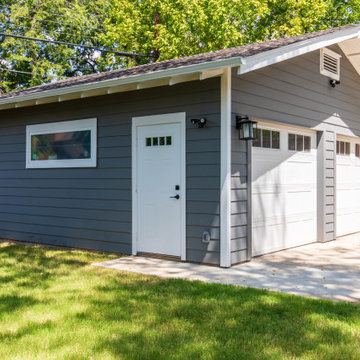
(62, 127)
(225, 176)
(154, 121)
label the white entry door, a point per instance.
(347, 186)
(160, 192)
(283, 189)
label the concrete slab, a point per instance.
(329, 271)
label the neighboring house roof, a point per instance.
(248, 58)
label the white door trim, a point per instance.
(172, 118)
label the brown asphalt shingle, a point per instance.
(241, 51)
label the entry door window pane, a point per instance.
(266, 139)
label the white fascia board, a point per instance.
(168, 73)
(290, 51)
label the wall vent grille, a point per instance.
(330, 63)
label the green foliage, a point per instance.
(174, 28)
(165, 29)
(61, 20)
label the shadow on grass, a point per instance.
(174, 317)
(29, 329)
(10, 303)
(29, 266)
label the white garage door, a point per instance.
(347, 186)
(283, 189)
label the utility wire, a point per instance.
(56, 22)
(19, 72)
(119, 53)
(61, 23)
(28, 28)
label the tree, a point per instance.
(71, 21)
(174, 28)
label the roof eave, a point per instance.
(202, 69)
(287, 52)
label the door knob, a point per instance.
(177, 197)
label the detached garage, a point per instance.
(162, 159)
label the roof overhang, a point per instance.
(134, 82)
(348, 40)
(271, 57)
(351, 49)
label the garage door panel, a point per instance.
(264, 201)
(347, 190)
(283, 196)
(298, 202)
(275, 236)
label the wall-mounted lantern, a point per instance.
(199, 122)
(246, 127)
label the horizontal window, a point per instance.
(268, 139)
(297, 142)
(61, 144)
(342, 148)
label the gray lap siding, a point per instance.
(239, 198)
(91, 207)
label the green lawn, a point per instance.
(54, 305)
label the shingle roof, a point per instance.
(241, 51)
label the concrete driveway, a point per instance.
(329, 271)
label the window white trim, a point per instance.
(171, 118)
(63, 126)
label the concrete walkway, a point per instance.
(329, 271)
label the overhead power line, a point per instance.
(63, 33)
(56, 15)
(19, 72)
(118, 53)
(62, 24)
